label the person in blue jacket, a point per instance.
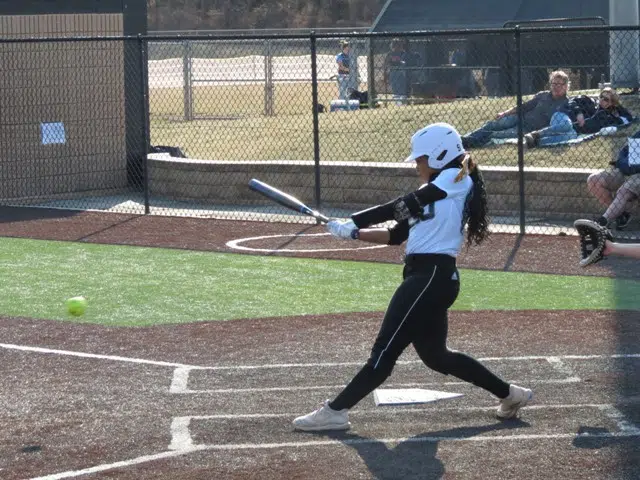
(343, 60)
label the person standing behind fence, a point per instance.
(344, 71)
(395, 71)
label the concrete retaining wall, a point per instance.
(551, 193)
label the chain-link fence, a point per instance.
(179, 125)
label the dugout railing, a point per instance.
(175, 125)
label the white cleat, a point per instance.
(324, 418)
(518, 398)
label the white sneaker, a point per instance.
(518, 398)
(324, 418)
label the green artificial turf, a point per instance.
(135, 286)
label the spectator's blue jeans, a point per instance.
(505, 127)
(344, 86)
(560, 129)
(398, 81)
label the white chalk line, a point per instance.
(624, 425)
(181, 438)
(493, 438)
(182, 444)
(110, 466)
(180, 433)
(562, 367)
(415, 362)
(117, 358)
(235, 244)
(179, 387)
(184, 421)
(323, 443)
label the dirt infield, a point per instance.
(530, 253)
(215, 399)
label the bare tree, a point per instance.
(249, 14)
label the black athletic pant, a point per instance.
(417, 314)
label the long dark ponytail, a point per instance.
(477, 209)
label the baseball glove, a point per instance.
(592, 240)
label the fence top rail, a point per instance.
(314, 34)
(549, 21)
(261, 31)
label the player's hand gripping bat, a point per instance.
(285, 199)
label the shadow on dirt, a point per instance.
(22, 214)
(415, 457)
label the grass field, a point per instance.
(231, 125)
(135, 286)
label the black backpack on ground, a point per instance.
(173, 151)
(581, 104)
(362, 97)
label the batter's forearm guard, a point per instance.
(400, 209)
(399, 233)
(373, 215)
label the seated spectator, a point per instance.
(581, 116)
(616, 191)
(537, 114)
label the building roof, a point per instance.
(410, 15)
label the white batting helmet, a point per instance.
(440, 142)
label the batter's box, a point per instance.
(474, 424)
(407, 374)
(198, 381)
(620, 369)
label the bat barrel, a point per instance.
(285, 199)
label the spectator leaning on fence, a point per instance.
(617, 187)
(536, 112)
(581, 115)
(344, 70)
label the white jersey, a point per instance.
(440, 229)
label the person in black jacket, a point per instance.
(582, 116)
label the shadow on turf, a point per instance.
(415, 457)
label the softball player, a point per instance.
(431, 220)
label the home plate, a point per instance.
(407, 396)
